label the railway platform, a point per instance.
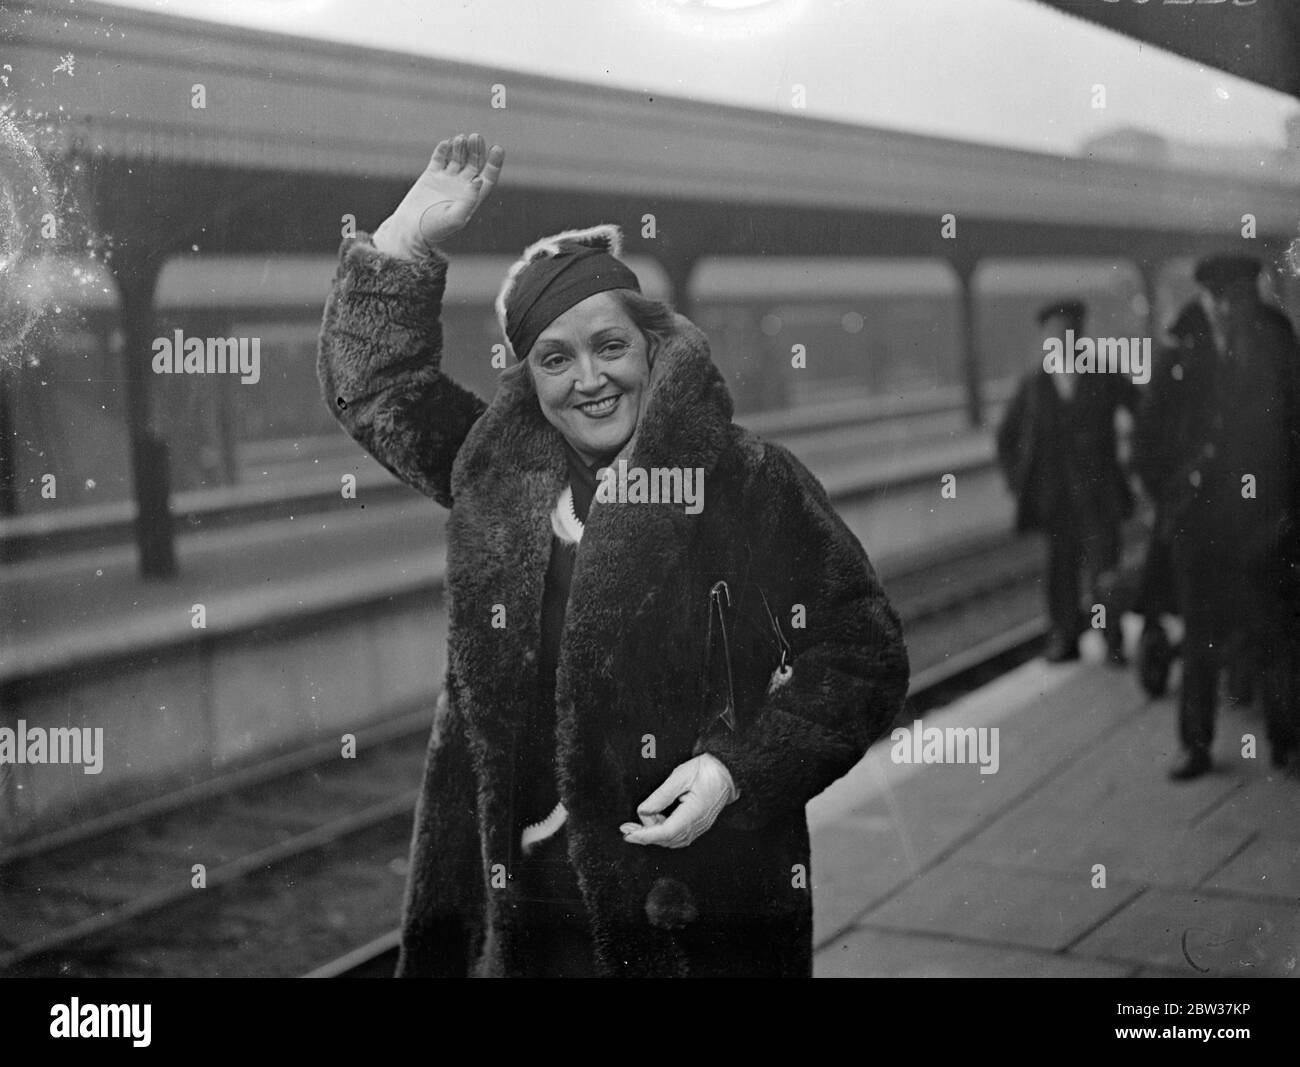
(1076, 857)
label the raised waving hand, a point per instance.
(460, 176)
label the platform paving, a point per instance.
(938, 870)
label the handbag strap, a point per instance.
(720, 590)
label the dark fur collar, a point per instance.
(508, 474)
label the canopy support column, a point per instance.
(136, 269)
(968, 339)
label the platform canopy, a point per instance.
(275, 102)
(1258, 40)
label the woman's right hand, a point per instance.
(460, 176)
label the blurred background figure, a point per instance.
(1157, 595)
(1217, 446)
(1057, 448)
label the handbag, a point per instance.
(722, 617)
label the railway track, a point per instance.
(281, 867)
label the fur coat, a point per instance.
(643, 673)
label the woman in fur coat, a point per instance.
(663, 640)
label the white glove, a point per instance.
(703, 785)
(459, 177)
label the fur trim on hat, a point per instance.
(606, 235)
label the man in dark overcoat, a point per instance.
(1057, 447)
(1217, 442)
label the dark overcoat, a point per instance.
(641, 677)
(1207, 422)
(1061, 463)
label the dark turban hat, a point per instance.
(553, 275)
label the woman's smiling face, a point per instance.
(591, 370)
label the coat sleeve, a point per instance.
(379, 365)
(850, 666)
(1153, 446)
(1286, 347)
(442, 914)
(1287, 351)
